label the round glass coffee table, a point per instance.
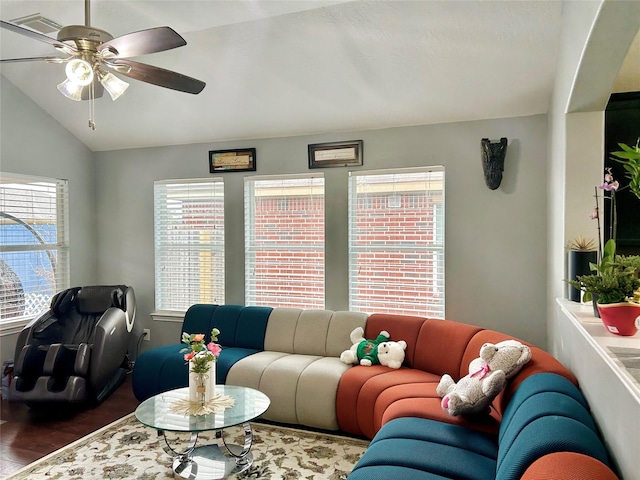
(209, 462)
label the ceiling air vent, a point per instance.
(38, 23)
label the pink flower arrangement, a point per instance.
(199, 354)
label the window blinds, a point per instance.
(34, 246)
(396, 241)
(189, 243)
(284, 241)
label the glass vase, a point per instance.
(202, 386)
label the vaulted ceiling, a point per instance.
(281, 68)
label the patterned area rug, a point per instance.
(128, 449)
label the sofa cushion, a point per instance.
(418, 445)
(229, 356)
(547, 414)
(159, 370)
(281, 329)
(441, 345)
(279, 382)
(400, 327)
(316, 393)
(371, 391)
(544, 435)
(251, 327)
(429, 407)
(359, 389)
(225, 318)
(388, 472)
(197, 319)
(310, 335)
(302, 388)
(340, 328)
(248, 372)
(536, 385)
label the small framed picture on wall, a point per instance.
(335, 154)
(236, 160)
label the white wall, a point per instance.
(495, 240)
(596, 36)
(33, 143)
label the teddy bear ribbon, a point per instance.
(482, 371)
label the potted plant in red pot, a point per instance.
(617, 289)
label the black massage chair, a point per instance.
(77, 351)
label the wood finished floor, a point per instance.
(28, 434)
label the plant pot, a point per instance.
(578, 264)
(620, 318)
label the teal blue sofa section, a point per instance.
(242, 332)
(547, 414)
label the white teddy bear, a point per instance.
(487, 377)
(371, 352)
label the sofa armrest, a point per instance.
(568, 466)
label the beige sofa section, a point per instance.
(300, 368)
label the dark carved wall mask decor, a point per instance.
(493, 161)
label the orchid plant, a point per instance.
(629, 158)
(199, 354)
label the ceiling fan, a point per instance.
(92, 56)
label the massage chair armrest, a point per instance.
(29, 361)
(82, 362)
(109, 349)
(25, 337)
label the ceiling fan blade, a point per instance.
(31, 34)
(143, 42)
(48, 58)
(158, 76)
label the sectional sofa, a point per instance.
(539, 427)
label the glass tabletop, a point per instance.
(155, 412)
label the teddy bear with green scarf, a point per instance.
(380, 351)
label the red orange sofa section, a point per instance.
(369, 397)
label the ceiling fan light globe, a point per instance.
(79, 72)
(113, 85)
(71, 90)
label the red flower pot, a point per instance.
(620, 318)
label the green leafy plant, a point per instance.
(629, 157)
(616, 278)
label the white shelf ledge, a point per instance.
(583, 344)
(601, 339)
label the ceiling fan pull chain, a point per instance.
(92, 123)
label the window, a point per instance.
(396, 241)
(34, 246)
(284, 241)
(189, 243)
